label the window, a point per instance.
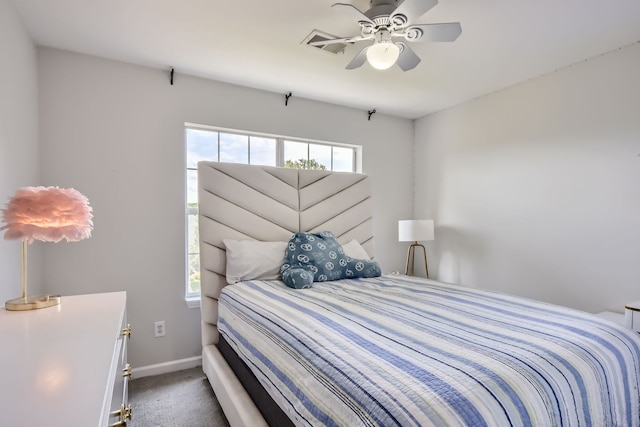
(225, 145)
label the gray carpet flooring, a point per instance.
(182, 398)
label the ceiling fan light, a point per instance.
(382, 56)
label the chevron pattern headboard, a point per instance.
(245, 202)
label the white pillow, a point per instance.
(354, 250)
(252, 259)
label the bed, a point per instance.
(389, 350)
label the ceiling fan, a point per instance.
(386, 22)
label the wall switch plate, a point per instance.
(158, 329)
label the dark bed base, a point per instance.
(273, 415)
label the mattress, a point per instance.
(404, 351)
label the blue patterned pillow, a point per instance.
(318, 257)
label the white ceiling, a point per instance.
(257, 43)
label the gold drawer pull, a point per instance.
(124, 413)
(126, 332)
(126, 372)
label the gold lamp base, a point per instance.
(32, 302)
(411, 258)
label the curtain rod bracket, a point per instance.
(286, 98)
(171, 76)
(371, 113)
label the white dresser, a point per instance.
(65, 365)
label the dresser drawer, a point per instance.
(119, 409)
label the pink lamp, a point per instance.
(48, 214)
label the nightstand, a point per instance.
(632, 315)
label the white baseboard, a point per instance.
(166, 367)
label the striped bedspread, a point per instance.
(400, 351)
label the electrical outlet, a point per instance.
(158, 328)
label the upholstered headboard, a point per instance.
(245, 202)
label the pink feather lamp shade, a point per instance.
(48, 214)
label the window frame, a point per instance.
(193, 298)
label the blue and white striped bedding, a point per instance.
(401, 351)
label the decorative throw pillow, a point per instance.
(253, 259)
(318, 257)
(353, 249)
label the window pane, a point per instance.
(343, 159)
(201, 145)
(194, 245)
(295, 154)
(263, 151)
(234, 148)
(194, 274)
(319, 156)
(193, 267)
(192, 187)
(217, 145)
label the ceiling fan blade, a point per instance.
(354, 12)
(408, 60)
(413, 9)
(445, 32)
(358, 60)
(344, 40)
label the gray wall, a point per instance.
(19, 158)
(536, 189)
(115, 132)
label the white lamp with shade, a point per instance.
(415, 230)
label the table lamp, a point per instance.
(48, 214)
(415, 230)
